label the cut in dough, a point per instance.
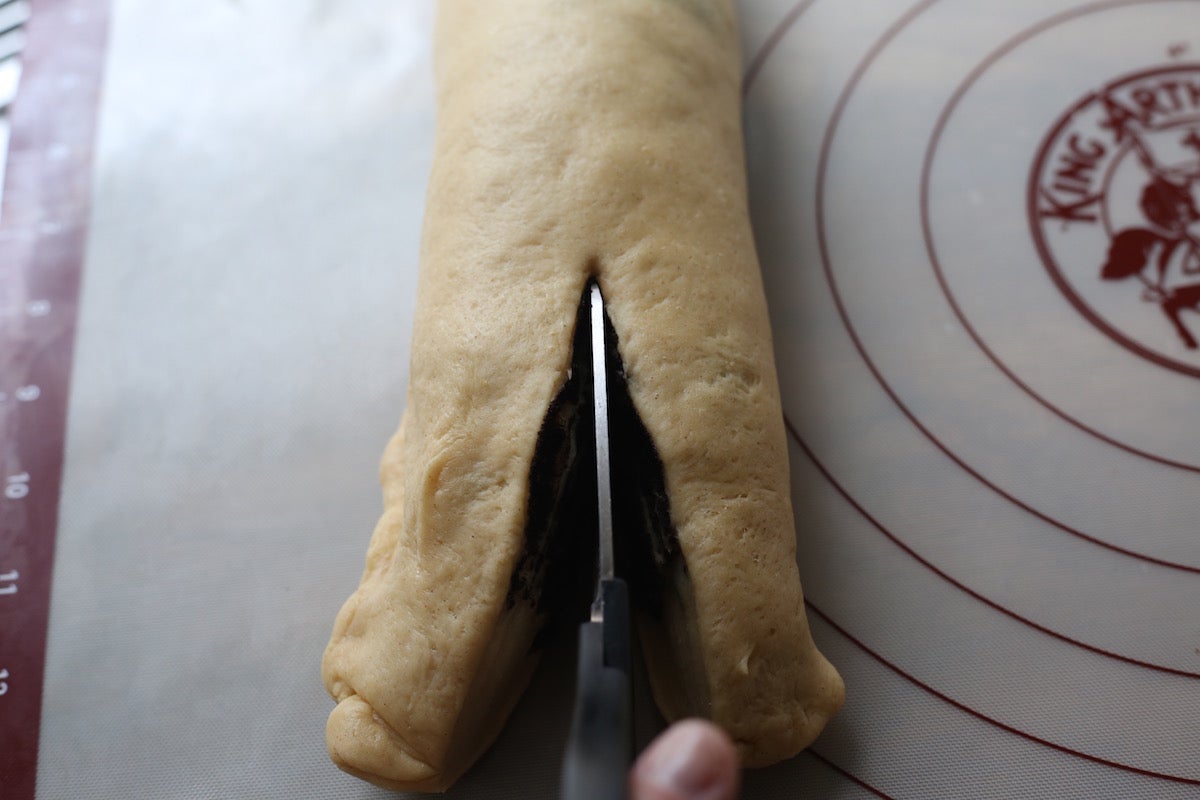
(578, 138)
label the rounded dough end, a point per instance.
(771, 741)
(362, 744)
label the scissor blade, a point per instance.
(607, 568)
(600, 744)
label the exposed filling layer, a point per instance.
(558, 559)
(556, 571)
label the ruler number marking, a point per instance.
(24, 394)
(17, 486)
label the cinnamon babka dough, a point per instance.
(578, 138)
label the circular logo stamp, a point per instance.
(1113, 205)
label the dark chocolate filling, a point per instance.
(558, 557)
(646, 544)
(556, 570)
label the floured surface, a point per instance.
(241, 360)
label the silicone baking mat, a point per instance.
(978, 228)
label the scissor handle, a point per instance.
(600, 746)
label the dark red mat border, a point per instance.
(43, 230)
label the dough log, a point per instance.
(579, 139)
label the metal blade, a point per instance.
(607, 569)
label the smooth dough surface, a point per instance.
(577, 138)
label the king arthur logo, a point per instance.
(1113, 209)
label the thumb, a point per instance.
(692, 760)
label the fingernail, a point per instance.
(687, 765)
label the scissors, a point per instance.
(600, 743)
